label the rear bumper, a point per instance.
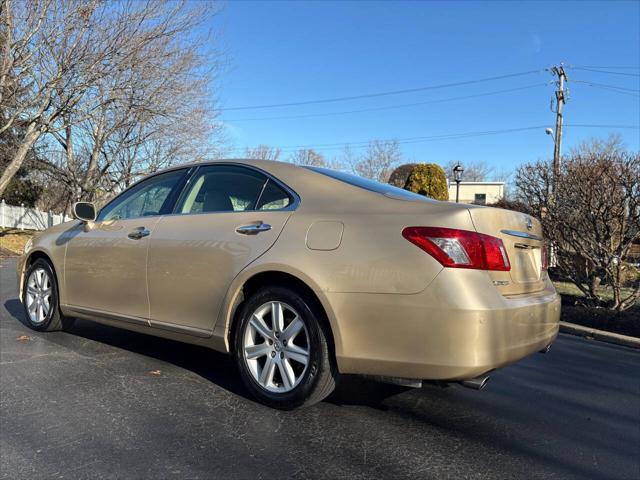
(458, 328)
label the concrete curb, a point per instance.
(601, 335)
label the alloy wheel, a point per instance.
(38, 295)
(276, 347)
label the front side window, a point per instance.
(230, 188)
(150, 197)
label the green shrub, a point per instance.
(22, 191)
(428, 179)
(401, 174)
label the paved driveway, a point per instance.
(84, 404)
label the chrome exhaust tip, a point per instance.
(477, 383)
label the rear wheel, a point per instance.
(282, 350)
(40, 299)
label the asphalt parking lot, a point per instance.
(97, 402)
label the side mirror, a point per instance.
(84, 211)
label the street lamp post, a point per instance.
(457, 176)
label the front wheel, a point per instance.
(40, 299)
(282, 350)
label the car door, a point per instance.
(105, 265)
(228, 216)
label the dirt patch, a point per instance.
(13, 240)
(5, 253)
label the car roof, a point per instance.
(262, 164)
(313, 188)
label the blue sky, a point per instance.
(281, 52)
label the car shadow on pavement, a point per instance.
(15, 308)
(213, 366)
(356, 390)
(209, 364)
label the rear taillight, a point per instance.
(545, 257)
(460, 248)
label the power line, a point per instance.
(606, 71)
(624, 67)
(382, 94)
(391, 107)
(428, 102)
(361, 143)
(449, 136)
(600, 126)
(617, 87)
(614, 88)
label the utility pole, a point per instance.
(560, 101)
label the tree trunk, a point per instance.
(90, 179)
(7, 57)
(630, 301)
(31, 136)
(594, 285)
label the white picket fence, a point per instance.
(28, 218)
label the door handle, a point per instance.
(139, 233)
(253, 229)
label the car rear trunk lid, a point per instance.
(522, 238)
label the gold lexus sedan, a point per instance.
(302, 273)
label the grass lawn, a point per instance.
(14, 239)
(568, 288)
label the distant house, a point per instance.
(481, 193)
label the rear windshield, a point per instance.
(371, 185)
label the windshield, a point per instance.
(371, 185)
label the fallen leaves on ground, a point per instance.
(23, 338)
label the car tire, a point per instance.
(40, 299)
(293, 383)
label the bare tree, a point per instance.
(346, 159)
(377, 162)
(477, 171)
(111, 89)
(308, 157)
(595, 146)
(502, 175)
(262, 152)
(34, 90)
(592, 219)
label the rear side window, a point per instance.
(273, 197)
(230, 188)
(371, 185)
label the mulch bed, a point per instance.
(5, 252)
(624, 323)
